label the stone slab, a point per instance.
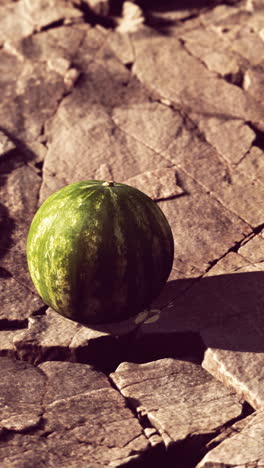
(243, 448)
(235, 351)
(183, 82)
(17, 302)
(184, 403)
(51, 336)
(65, 414)
(19, 198)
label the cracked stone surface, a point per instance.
(179, 399)
(70, 414)
(243, 446)
(166, 98)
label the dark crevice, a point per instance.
(129, 65)
(4, 273)
(39, 167)
(226, 430)
(236, 246)
(93, 19)
(6, 324)
(235, 78)
(53, 25)
(179, 345)
(259, 139)
(154, 456)
(41, 311)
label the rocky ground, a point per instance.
(168, 97)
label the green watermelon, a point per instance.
(99, 252)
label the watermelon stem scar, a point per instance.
(108, 183)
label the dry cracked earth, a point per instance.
(168, 97)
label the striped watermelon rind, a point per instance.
(99, 252)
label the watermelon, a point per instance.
(99, 252)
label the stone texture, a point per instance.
(22, 391)
(6, 144)
(243, 448)
(175, 74)
(173, 396)
(158, 185)
(51, 336)
(71, 415)
(236, 357)
(19, 197)
(17, 303)
(167, 98)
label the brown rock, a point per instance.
(250, 46)
(253, 164)
(13, 24)
(7, 338)
(231, 138)
(19, 195)
(159, 184)
(244, 447)
(35, 92)
(46, 12)
(165, 66)
(189, 215)
(178, 398)
(94, 141)
(81, 419)
(67, 379)
(235, 351)
(253, 82)
(17, 303)
(51, 336)
(210, 46)
(22, 388)
(6, 144)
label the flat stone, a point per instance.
(22, 388)
(54, 44)
(178, 398)
(156, 125)
(93, 140)
(253, 164)
(18, 303)
(12, 23)
(121, 45)
(6, 144)
(46, 12)
(243, 447)
(188, 216)
(53, 336)
(166, 67)
(65, 414)
(7, 337)
(19, 195)
(253, 82)
(158, 184)
(210, 46)
(253, 250)
(225, 308)
(219, 14)
(237, 141)
(235, 345)
(67, 379)
(35, 92)
(179, 141)
(250, 46)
